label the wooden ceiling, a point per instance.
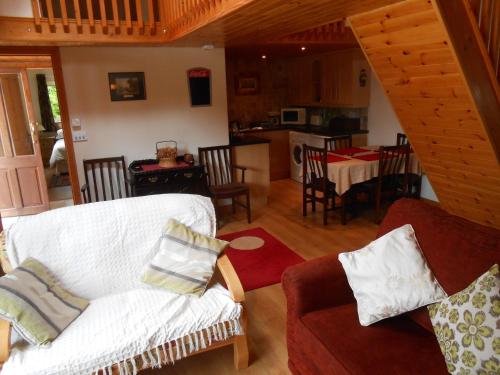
(261, 21)
(412, 55)
(183, 23)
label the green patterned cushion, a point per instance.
(38, 307)
(185, 260)
(467, 326)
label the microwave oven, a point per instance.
(293, 116)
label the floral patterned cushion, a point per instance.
(467, 326)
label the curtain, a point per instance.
(43, 100)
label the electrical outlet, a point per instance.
(79, 136)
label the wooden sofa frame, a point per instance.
(224, 273)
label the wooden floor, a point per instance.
(266, 306)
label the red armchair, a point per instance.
(323, 332)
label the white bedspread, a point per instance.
(115, 328)
(98, 251)
(101, 248)
(58, 153)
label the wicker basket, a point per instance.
(166, 153)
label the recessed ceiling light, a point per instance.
(303, 48)
(264, 57)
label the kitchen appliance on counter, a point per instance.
(316, 120)
(293, 116)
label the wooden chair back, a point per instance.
(218, 162)
(401, 139)
(393, 163)
(338, 142)
(314, 164)
(105, 179)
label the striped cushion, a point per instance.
(38, 307)
(185, 260)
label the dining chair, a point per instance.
(315, 180)
(221, 177)
(414, 180)
(105, 179)
(338, 142)
(392, 167)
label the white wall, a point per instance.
(383, 125)
(16, 8)
(131, 128)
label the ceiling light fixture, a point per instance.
(303, 48)
(264, 57)
(208, 46)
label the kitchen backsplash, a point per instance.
(326, 114)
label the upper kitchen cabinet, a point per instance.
(337, 79)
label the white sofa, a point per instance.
(98, 251)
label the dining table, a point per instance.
(354, 165)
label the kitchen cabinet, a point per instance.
(336, 79)
(279, 152)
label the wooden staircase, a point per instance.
(421, 68)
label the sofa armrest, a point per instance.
(315, 285)
(4, 340)
(231, 279)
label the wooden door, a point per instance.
(23, 189)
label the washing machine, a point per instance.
(297, 139)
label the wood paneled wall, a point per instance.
(412, 56)
(272, 94)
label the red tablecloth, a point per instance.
(350, 151)
(368, 157)
(155, 167)
(331, 158)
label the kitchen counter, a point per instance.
(320, 130)
(247, 140)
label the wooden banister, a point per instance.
(486, 14)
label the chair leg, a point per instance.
(325, 208)
(313, 199)
(343, 200)
(240, 347)
(304, 200)
(249, 211)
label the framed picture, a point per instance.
(200, 87)
(127, 86)
(247, 84)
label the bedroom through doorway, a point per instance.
(47, 115)
(37, 166)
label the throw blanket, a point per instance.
(102, 248)
(117, 328)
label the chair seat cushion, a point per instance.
(335, 343)
(118, 327)
(229, 189)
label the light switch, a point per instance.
(79, 136)
(76, 124)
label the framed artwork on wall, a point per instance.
(127, 86)
(247, 84)
(200, 91)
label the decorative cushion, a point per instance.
(467, 326)
(390, 276)
(38, 307)
(185, 260)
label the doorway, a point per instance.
(37, 164)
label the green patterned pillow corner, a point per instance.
(185, 260)
(467, 326)
(36, 305)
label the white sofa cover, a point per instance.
(98, 251)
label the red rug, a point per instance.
(258, 258)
